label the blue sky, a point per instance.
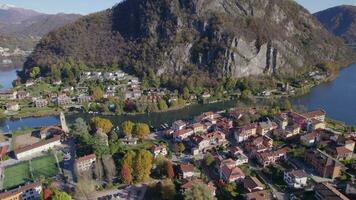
(89, 6)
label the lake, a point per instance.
(6, 78)
(338, 98)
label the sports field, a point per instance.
(30, 170)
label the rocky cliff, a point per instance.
(190, 40)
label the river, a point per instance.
(338, 98)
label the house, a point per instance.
(327, 191)
(205, 116)
(187, 171)
(259, 195)
(63, 100)
(340, 153)
(128, 140)
(198, 128)
(206, 95)
(238, 156)
(297, 119)
(325, 165)
(252, 184)
(159, 150)
(12, 106)
(85, 163)
(224, 125)
(315, 124)
(38, 147)
(41, 103)
(282, 120)
(296, 178)
(230, 174)
(8, 94)
(25, 192)
(258, 144)
(266, 127)
(209, 141)
(82, 99)
(237, 113)
(189, 184)
(268, 158)
(350, 145)
(179, 125)
(22, 95)
(245, 132)
(310, 139)
(316, 114)
(50, 131)
(289, 132)
(182, 134)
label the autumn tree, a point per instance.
(100, 123)
(97, 93)
(168, 190)
(142, 130)
(126, 174)
(169, 169)
(199, 192)
(127, 127)
(143, 165)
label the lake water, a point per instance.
(338, 98)
(6, 78)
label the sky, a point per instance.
(90, 6)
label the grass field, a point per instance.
(18, 174)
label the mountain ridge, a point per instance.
(340, 21)
(193, 39)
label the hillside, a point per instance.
(341, 21)
(193, 42)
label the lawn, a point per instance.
(20, 173)
(16, 175)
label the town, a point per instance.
(240, 153)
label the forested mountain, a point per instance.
(341, 21)
(193, 42)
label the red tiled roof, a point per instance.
(182, 132)
(232, 172)
(187, 168)
(342, 150)
(19, 190)
(311, 136)
(3, 150)
(298, 173)
(85, 158)
(251, 182)
(313, 114)
(259, 195)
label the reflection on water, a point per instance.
(6, 78)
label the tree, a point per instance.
(99, 170)
(178, 148)
(35, 72)
(100, 123)
(2, 115)
(55, 74)
(287, 105)
(85, 187)
(209, 160)
(143, 165)
(109, 167)
(162, 105)
(142, 130)
(169, 169)
(58, 195)
(127, 128)
(246, 94)
(228, 191)
(186, 93)
(126, 174)
(80, 127)
(128, 159)
(97, 93)
(181, 147)
(199, 192)
(168, 190)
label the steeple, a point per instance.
(63, 123)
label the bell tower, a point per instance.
(63, 123)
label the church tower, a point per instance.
(63, 123)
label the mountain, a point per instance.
(341, 21)
(25, 22)
(21, 29)
(193, 41)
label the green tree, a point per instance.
(2, 115)
(35, 72)
(246, 94)
(100, 123)
(209, 160)
(228, 191)
(58, 195)
(55, 73)
(162, 104)
(143, 165)
(127, 127)
(142, 130)
(230, 83)
(186, 93)
(286, 105)
(199, 192)
(168, 190)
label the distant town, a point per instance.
(241, 153)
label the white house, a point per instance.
(41, 146)
(178, 125)
(188, 171)
(159, 150)
(85, 163)
(296, 178)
